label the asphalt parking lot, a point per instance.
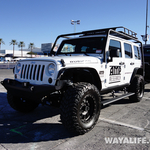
(122, 125)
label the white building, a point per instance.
(46, 48)
(17, 53)
(39, 52)
(34, 50)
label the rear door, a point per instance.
(137, 56)
(129, 61)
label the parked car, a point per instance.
(146, 49)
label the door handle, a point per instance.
(132, 63)
(121, 63)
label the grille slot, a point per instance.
(24, 74)
(38, 72)
(28, 71)
(32, 72)
(42, 73)
(22, 70)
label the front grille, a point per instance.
(32, 72)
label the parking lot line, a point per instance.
(121, 124)
(146, 98)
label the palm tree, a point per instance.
(31, 45)
(1, 42)
(21, 44)
(14, 42)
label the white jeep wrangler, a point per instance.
(86, 65)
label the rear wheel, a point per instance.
(20, 104)
(80, 107)
(137, 86)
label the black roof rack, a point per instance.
(128, 32)
(123, 32)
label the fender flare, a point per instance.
(136, 71)
(61, 82)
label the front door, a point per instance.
(115, 64)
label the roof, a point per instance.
(120, 31)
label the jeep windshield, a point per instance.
(92, 45)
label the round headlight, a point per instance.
(18, 67)
(51, 69)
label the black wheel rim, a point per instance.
(22, 101)
(87, 109)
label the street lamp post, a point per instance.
(73, 22)
(146, 37)
(146, 21)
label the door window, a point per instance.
(115, 45)
(137, 53)
(128, 50)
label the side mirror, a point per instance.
(114, 52)
(109, 59)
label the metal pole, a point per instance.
(75, 27)
(73, 22)
(146, 21)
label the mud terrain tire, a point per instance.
(80, 107)
(137, 86)
(21, 105)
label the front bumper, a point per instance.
(27, 90)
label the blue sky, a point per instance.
(41, 21)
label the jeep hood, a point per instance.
(67, 59)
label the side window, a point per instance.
(137, 53)
(127, 50)
(115, 45)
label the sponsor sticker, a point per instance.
(99, 51)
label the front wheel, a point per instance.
(20, 104)
(137, 87)
(80, 107)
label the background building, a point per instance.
(17, 53)
(46, 48)
(37, 52)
